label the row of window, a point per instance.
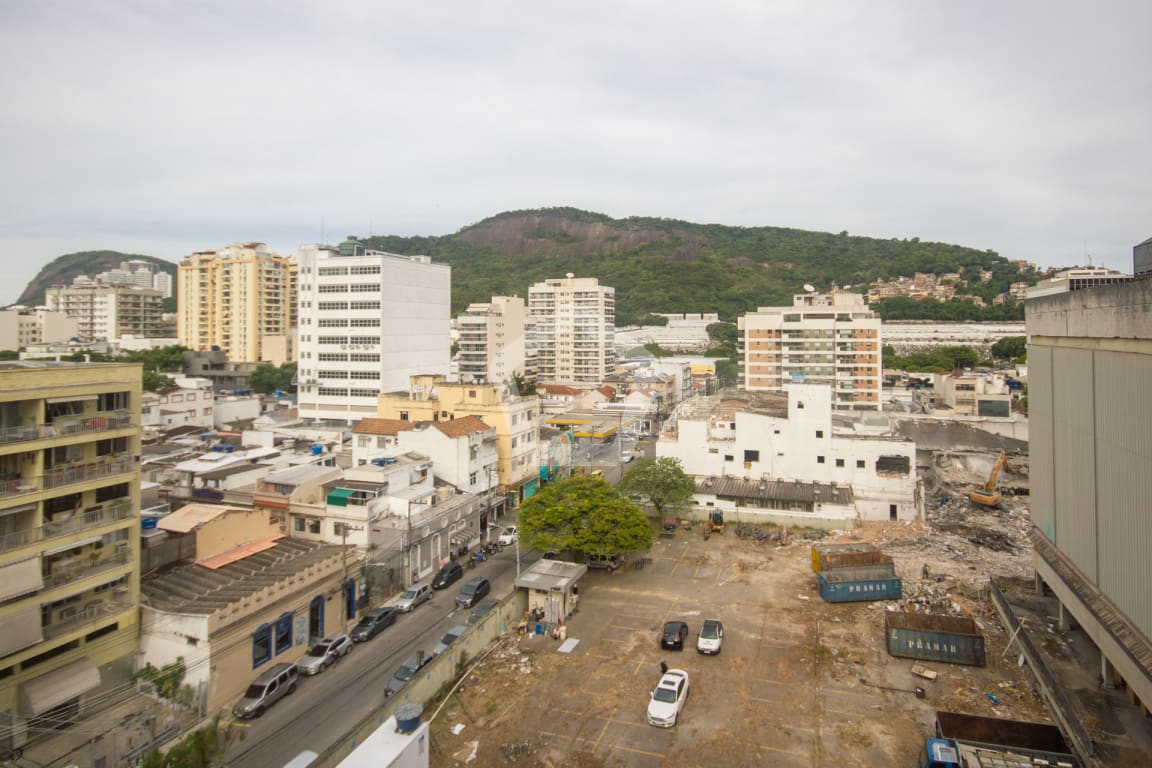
(344, 357)
(337, 392)
(333, 306)
(272, 640)
(339, 375)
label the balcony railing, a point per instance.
(93, 518)
(82, 473)
(68, 425)
(18, 434)
(89, 614)
(77, 572)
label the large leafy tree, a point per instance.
(267, 378)
(662, 482)
(584, 514)
(1011, 347)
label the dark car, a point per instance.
(472, 591)
(481, 610)
(673, 635)
(446, 575)
(373, 623)
(406, 672)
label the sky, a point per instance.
(163, 128)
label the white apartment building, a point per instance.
(136, 272)
(21, 327)
(105, 312)
(575, 325)
(795, 466)
(235, 299)
(493, 341)
(831, 339)
(368, 322)
(1077, 279)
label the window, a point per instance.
(112, 401)
(713, 450)
(403, 415)
(313, 525)
(839, 462)
(283, 633)
(897, 465)
(727, 457)
(859, 463)
(362, 441)
(751, 456)
(472, 479)
(799, 405)
(472, 394)
(819, 433)
(819, 459)
(261, 645)
(298, 524)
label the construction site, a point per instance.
(806, 680)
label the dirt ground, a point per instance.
(800, 682)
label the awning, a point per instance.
(20, 579)
(18, 510)
(59, 686)
(21, 630)
(70, 399)
(73, 545)
(338, 497)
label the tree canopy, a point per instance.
(938, 360)
(584, 514)
(267, 378)
(662, 482)
(1011, 348)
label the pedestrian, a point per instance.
(663, 666)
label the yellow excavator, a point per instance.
(988, 495)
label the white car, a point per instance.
(626, 456)
(508, 536)
(668, 698)
(325, 653)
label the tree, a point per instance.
(723, 333)
(157, 382)
(1010, 348)
(662, 482)
(584, 514)
(267, 378)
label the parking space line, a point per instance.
(758, 745)
(596, 743)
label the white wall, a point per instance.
(165, 636)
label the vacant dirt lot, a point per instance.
(795, 685)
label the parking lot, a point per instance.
(795, 683)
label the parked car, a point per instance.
(450, 637)
(271, 686)
(447, 575)
(508, 536)
(606, 562)
(482, 609)
(412, 597)
(673, 636)
(472, 591)
(373, 623)
(626, 456)
(668, 698)
(711, 637)
(406, 672)
(324, 654)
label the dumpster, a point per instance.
(835, 560)
(821, 551)
(848, 585)
(951, 639)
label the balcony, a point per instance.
(91, 613)
(65, 524)
(101, 422)
(82, 473)
(76, 570)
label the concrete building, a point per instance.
(493, 339)
(1077, 279)
(231, 298)
(1142, 258)
(795, 464)
(137, 272)
(830, 339)
(226, 375)
(69, 543)
(105, 312)
(369, 321)
(21, 327)
(968, 393)
(192, 403)
(575, 325)
(1090, 372)
(430, 398)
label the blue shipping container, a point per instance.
(848, 585)
(951, 639)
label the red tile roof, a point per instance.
(382, 426)
(462, 426)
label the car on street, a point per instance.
(406, 672)
(604, 562)
(711, 637)
(482, 609)
(412, 597)
(450, 573)
(668, 698)
(472, 591)
(324, 654)
(372, 623)
(673, 636)
(450, 637)
(508, 536)
(626, 456)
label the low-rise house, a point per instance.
(969, 393)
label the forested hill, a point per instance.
(62, 269)
(663, 265)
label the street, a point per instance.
(329, 705)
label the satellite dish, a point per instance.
(809, 287)
(847, 287)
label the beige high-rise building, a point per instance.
(233, 298)
(69, 540)
(107, 311)
(831, 339)
(575, 327)
(494, 342)
(21, 327)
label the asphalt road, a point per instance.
(330, 704)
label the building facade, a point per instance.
(1090, 448)
(493, 341)
(1077, 280)
(574, 329)
(69, 539)
(21, 327)
(231, 298)
(368, 321)
(831, 339)
(105, 312)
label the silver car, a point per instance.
(325, 653)
(413, 596)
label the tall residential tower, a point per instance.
(575, 327)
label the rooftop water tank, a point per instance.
(408, 717)
(317, 450)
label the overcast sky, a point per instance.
(167, 127)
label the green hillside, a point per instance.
(62, 269)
